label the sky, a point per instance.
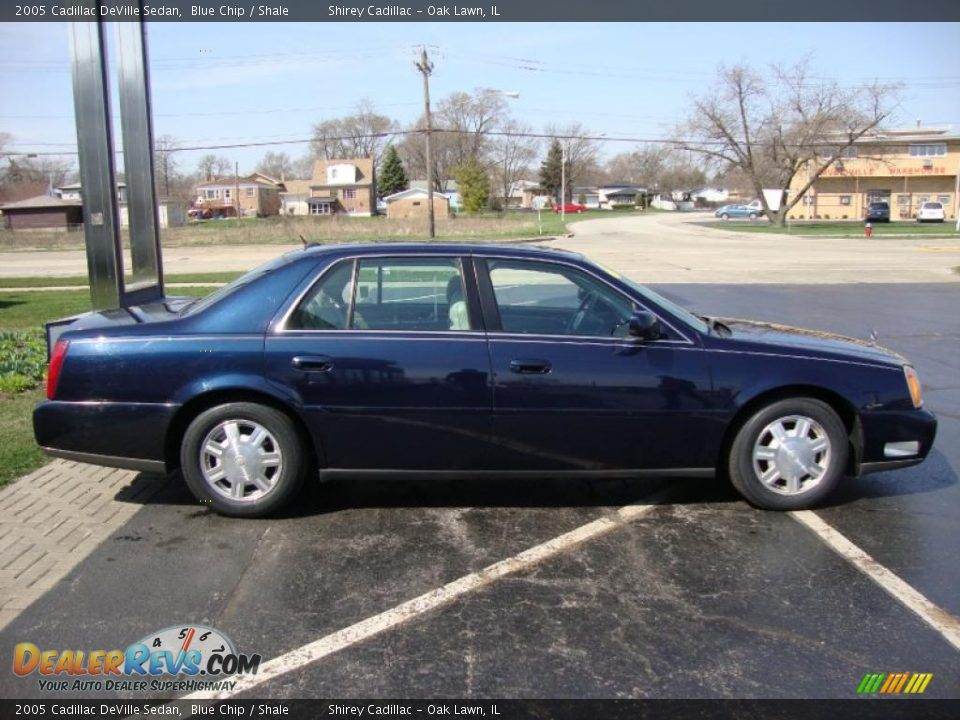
(222, 83)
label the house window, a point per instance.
(211, 194)
(249, 192)
(849, 152)
(844, 199)
(349, 193)
(319, 208)
(226, 193)
(928, 150)
(333, 173)
(943, 199)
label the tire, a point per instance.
(277, 462)
(724, 217)
(753, 216)
(757, 435)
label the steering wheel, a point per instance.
(586, 305)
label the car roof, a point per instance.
(530, 250)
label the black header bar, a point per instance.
(853, 11)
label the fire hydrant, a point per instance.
(868, 230)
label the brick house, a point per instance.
(343, 186)
(412, 204)
(255, 195)
(43, 213)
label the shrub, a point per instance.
(23, 360)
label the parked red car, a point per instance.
(570, 207)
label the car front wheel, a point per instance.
(242, 459)
(724, 217)
(789, 455)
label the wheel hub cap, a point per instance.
(240, 460)
(792, 455)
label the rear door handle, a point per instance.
(530, 366)
(313, 363)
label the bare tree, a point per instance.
(359, 135)
(302, 167)
(212, 167)
(276, 164)
(580, 152)
(165, 164)
(512, 155)
(794, 125)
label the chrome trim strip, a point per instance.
(152, 466)
(334, 473)
(164, 338)
(448, 335)
(281, 326)
(872, 467)
(117, 403)
(878, 365)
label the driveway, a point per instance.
(673, 248)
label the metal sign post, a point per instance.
(101, 217)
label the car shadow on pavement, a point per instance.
(318, 498)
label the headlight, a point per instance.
(913, 384)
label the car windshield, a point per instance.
(234, 285)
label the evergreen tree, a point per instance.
(393, 178)
(551, 170)
(474, 185)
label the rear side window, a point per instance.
(404, 294)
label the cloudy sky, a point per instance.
(242, 82)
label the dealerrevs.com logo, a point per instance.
(180, 658)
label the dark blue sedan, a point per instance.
(458, 361)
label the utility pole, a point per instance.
(236, 197)
(426, 67)
(563, 183)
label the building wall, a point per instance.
(408, 208)
(905, 181)
(254, 199)
(42, 218)
(362, 202)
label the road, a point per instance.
(655, 248)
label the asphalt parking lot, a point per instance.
(698, 597)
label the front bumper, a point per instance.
(895, 430)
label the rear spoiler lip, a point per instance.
(55, 328)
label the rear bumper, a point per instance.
(886, 433)
(126, 435)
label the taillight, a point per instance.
(56, 362)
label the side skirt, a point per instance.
(336, 473)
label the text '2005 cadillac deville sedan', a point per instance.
(460, 360)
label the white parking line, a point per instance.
(936, 617)
(358, 632)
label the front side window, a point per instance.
(547, 299)
(415, 294)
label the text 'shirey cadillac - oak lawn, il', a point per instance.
(460, 360)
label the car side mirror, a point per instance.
(645, 326)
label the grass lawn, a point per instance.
(839, 229)
(26, 312)
(80, 281)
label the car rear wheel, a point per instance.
(753, 216)
(789, 455)
(242, 459)
(724, 216)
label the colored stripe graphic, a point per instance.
(894, 683)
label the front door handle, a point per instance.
(313, 363)
(530, 366)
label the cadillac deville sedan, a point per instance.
(456, 361)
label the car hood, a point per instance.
(785, 337)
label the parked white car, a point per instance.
(931, 212)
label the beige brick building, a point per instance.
(412, 203)
(255, 195)
(904, 168)
(343, 186)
